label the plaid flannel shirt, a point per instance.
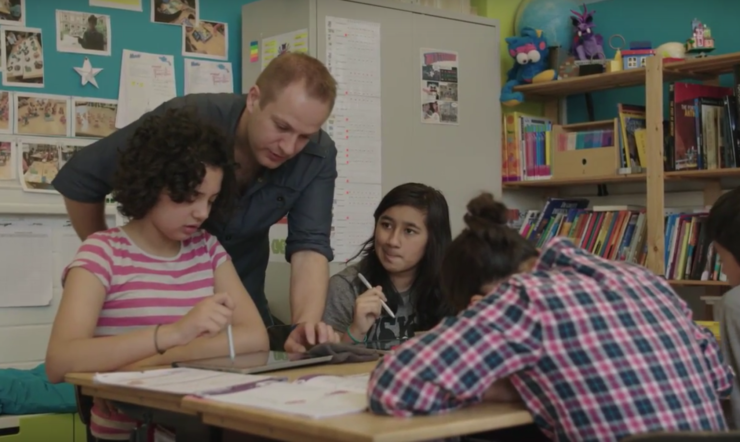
(597, 349)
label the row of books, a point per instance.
(702, 128)
(612, 232)
(529, 141)
(620, 233)
(688, 253)
(526, 152)
(587, 139)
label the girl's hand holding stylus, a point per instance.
(367, 310)
(207, 318)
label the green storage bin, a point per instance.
(80, 429)
(45, 427)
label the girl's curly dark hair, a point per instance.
(170, 152)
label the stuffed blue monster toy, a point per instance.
(530, 54)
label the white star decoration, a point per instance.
(88, 73)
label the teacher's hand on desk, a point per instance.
(309, 334)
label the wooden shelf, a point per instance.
(580, 85)
(696, 68)
(712, 65)
(538, 184)
(693, 283)
(702, 174)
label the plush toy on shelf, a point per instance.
(530, 53)
(586, 44)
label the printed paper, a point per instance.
(296, 41)
(23, 56)
(41, 114)
(439, 80)
(206, 39)
(353, 58)
(83, 33)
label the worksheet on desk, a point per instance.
(303, 399)
(181, 380)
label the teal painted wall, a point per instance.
(659, 21)
(130, 30)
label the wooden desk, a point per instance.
(361, 427)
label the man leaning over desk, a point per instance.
(287, 166)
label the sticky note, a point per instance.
(254, 52)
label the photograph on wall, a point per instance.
(6, 112)
(23, 55)
(38, 164)
(83, 33)
(175, 12)
(439, 80)
(129, 5)
(39, 114)
(206, 39)
(7, 159)
(13, 12)
(94, 118)
(295, 41)
(68, 147)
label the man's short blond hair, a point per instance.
(291, 67)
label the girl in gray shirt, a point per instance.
(401, 261)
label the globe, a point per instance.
(550, 16)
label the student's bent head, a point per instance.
(723, 228)
(176, 172)
(412, 230)
(290, 101)
(484, 254)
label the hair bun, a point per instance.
(484, 212)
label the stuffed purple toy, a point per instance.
(586, 44)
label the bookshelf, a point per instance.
(653, 76)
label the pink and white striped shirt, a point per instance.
(143, 290)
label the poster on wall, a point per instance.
(129, 5)
(295, 41)
(38, 164)
(23, 54)
(278, 235)
(206, 39)
(175, 12)
(439, 80)
(83, 33)
(7, 158)
(13, 12)
(93, 117)
(40, 159)
(7, 109)
(41, 114)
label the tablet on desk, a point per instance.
(253, 363)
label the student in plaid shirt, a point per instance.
(597, 350)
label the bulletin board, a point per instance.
(166, 31)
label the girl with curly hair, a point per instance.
(159, 289)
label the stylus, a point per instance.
(369, 287)
(231, 342)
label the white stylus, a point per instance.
(369, 287)
(231, 342)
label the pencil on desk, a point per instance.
(369, 287)
(231, 342)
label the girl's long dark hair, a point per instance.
(428, 303)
